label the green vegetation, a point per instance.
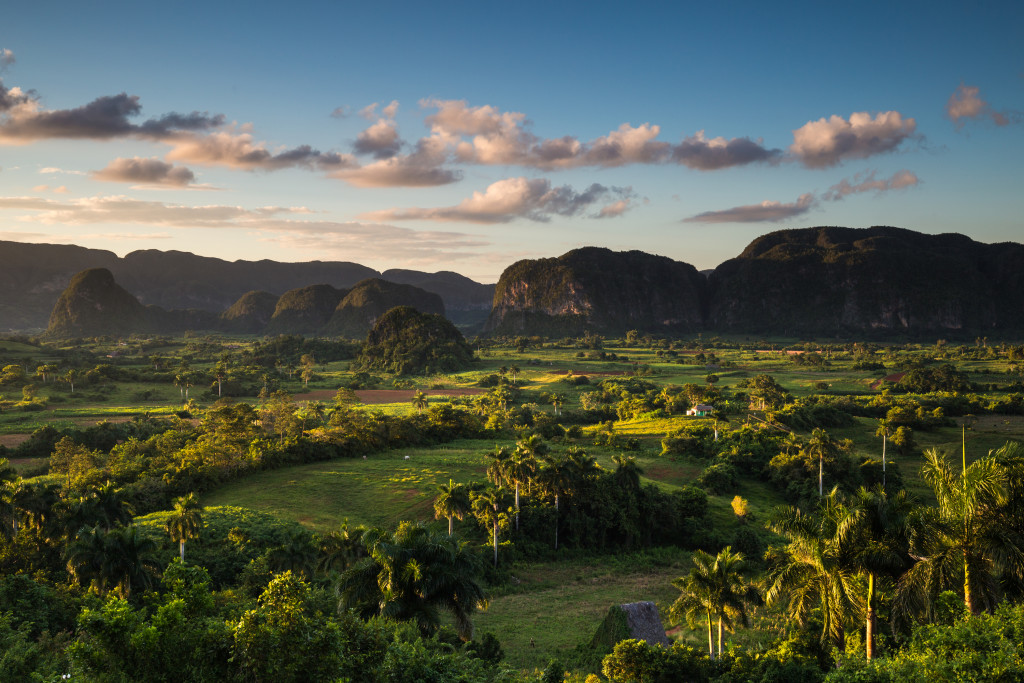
(225, 496)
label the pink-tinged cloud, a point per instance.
(509, 199)
(768, 211)
(614, 210)
(898, 181)
(7, 58)
(421, 168)
(966, 104)
(146, 172)
(828, 142)
(238, 151)
(699, 153)
(381, 140)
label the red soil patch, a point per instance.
(377, 396)
(13, 440)
(613, 373)
(890, 378)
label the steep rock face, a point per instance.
(305, 310)
(251, 313)
(93, 304)
(886, 280)
(370, 299)
(600, 290)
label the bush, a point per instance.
(719, 478)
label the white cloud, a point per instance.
(828, 142)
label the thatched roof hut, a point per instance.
(638, 620)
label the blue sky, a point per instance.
(465, 136)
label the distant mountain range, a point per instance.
(32, 277)
(826, 281)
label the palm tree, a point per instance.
(715, 588)
(519, 470)
(419, 401)
(812, 572)
(955, 540)
(491, 508)
(873, 529)
(70, 376)
(452, 503)
(555, 478)
(514, 371)
(297, 555)
(883, 431)
(185, 522)
(497, 461)
(557, 401)
(820, 445)
(413, 574)
(118, 559)
(339, 549)
(627, 472)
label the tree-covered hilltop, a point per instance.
(372, 298)
(598, 290)
(251, 313)
(406, 342)
(305, 310)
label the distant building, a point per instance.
(701, 410)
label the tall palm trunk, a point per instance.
(556, 521)
(821, 471)
(711, 641)
(517, 506)
(969, 600)
(870, 627)
(883, 461)
(450, 525)
(720, 630)
(181, 550)
(495, 542)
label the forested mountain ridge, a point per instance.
(32, 277)
(832, 280)
(880, 281)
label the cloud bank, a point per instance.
(512, 198)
